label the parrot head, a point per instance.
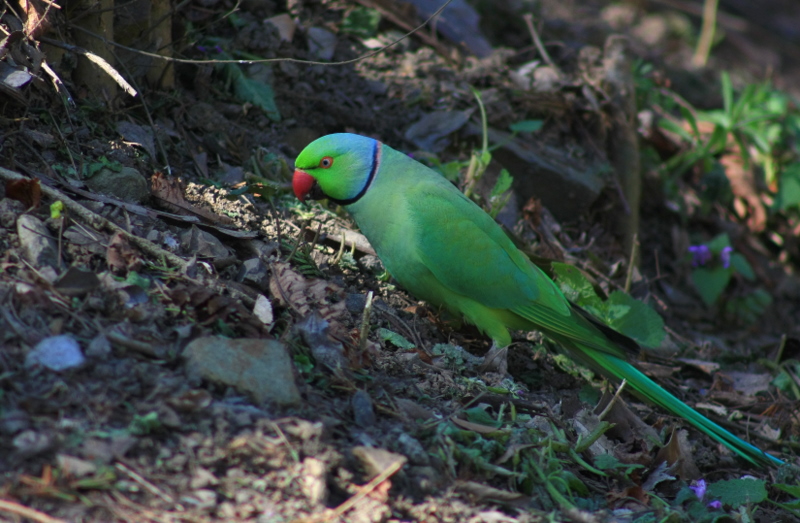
(339, 167)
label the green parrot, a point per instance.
(444, 249)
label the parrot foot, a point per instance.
(496, 360)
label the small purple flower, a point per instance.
(202, 48)
(725, 256)
(699, 489)
(701, 255)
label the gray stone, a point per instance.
(10, 210)
(255, 272)
(355, 303)
(127, 184)
(258, 367)
(198, 242)
(37, 244)
(566, 181)
(430, 132)
(412, 449)
(363, 410)
(321, 43)
(56, 353)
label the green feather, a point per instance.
(444, 249)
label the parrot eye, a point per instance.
(326, 162)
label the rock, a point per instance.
(430, 132)
(258, 367)
(127, 184)
(99, 347)
(314, 331)
(198, 242)
(321, 43)
(459, 23)
(284, 24)
(30, 443)
(37, 244)
(57, 353)
(75, 467)
(10, 210)
(363, 411)
(263, 311)
(523, 75)
(355, 302)
(255, 272)
(411, 448)
(567, 183)
(14, 421)
(546, 79)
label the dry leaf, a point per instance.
(76, 282)
(38, 15)
(486, 493)
(678, 454)
(709, 367)
(303, 295)
(193, 400)
(375, 461)
(134, 134)
(121, 256)
(170, 193)
(627, 425)
(475, 427)
(630, 498)
(28, 191)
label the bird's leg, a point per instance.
(496, 360)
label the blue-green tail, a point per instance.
(654, 393)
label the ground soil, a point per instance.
(159, 443)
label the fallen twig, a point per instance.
(26, 512)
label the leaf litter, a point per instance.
(133, 435)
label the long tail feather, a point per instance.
(654, 393)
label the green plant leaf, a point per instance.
(719, 242)
(792, 490)
(142, 425)
(526, 126)
(478, 415)
(395, 339)
(451, 170)
(253, 91)
(576, 287)
(737, 492)
(609, 462)
(673, 127)
(789, 192)
(640, 322)
(727, 93)
(741, 265)
(362, 22)
(503, 183)
(690, 117)
(710, 283)
(56, 208)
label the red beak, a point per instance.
(302, 183)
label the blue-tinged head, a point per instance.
(337, 166)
